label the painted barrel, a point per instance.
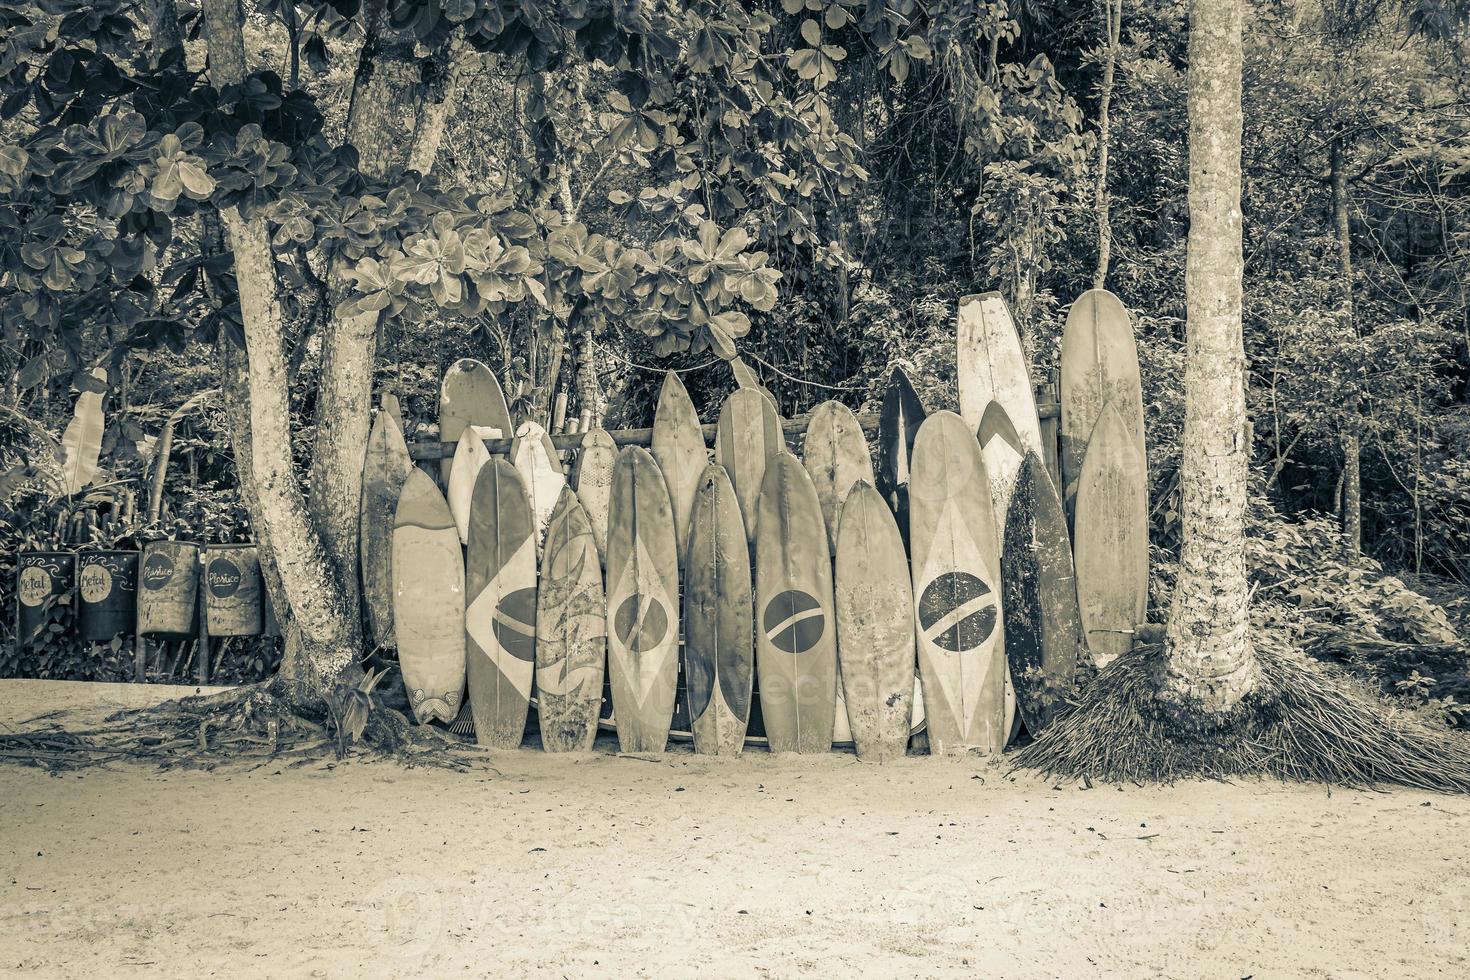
(168, 588)
(40, 575)
(107, 592)
(232, 590)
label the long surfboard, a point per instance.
(500, 615)
(990, 366)
(719, 659)
(1003, 451)
(836, 457)
(956, 575)
(571, 631)
(428, 600)
(898, 424)
(677, 446)
(469, 395)
(1099, 364)
(796, 636)
(642, 602)
(875, 626)
(593, 476)
(1111, 540)
(747, 436)
(385, 469)
(1043, 625)
(470, 456)
(536, 460)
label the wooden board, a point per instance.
(538, 463)
(991, 366)
(469, 395)
(836, 457)
(571, 631)
(898, 424)
(1043, 625)
(796, 636)
(385, 469)
(678, 448)
(747, 436)
(1111, 540)
(875, 626)
(956, 575)
(470, 457)
(642, 602)
(500, 612)
(428, 600)
(594, 482)
(1099, 364)
(719, 658)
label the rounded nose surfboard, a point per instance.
(956, 575)
(719, 659)
(593, 475)
(898, 423)
(875, 626)
(677, 445)
(536, 460)
(1099, 364)
(470, 456)
(385, 470)
(992, 367)
(642, 603)
(796, 636)
(747, 435)
(1111, 541)
(836, 457)
(428, 600)
(469, 395)
(571, 631)
(500, 615)
(1043, 626)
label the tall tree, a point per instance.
(1211, 664)
(1112, 31)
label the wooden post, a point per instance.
(203, 624)
(1050, 430)
(559, 412)
(140, 659)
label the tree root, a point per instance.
(1303, 723)
(264, 723)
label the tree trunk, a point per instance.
(1113, 21)
(163, 28)
(1352, 491)
(1210, 662)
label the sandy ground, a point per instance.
(686, 866)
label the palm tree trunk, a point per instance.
(1210, 664)
(1113, 21)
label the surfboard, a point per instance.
(1099, 364)
(677, 445)
(594, 482)
(719, 658)
(796, 636)
(1111, 540)
(747, 435)
(571, 631)
(642, 602)
(500, 615)
(469, 395)
(875, 626)
(1043, 625)
(956, 575)
(385, 469)
(470, 457)
(836, 457)
(1003, 451)
(428, 600)
(898, 423)
(536, 460)
(992, 367)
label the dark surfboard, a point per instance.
(898, 423)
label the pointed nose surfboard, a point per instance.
(428, 600)
(385, 470)
(642, 602)
(571, 631)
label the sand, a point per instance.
(688, 866)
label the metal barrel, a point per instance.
(40, 576)
(107, 586)
(168, 588)
(232, 590)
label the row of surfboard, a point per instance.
(812, 588)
